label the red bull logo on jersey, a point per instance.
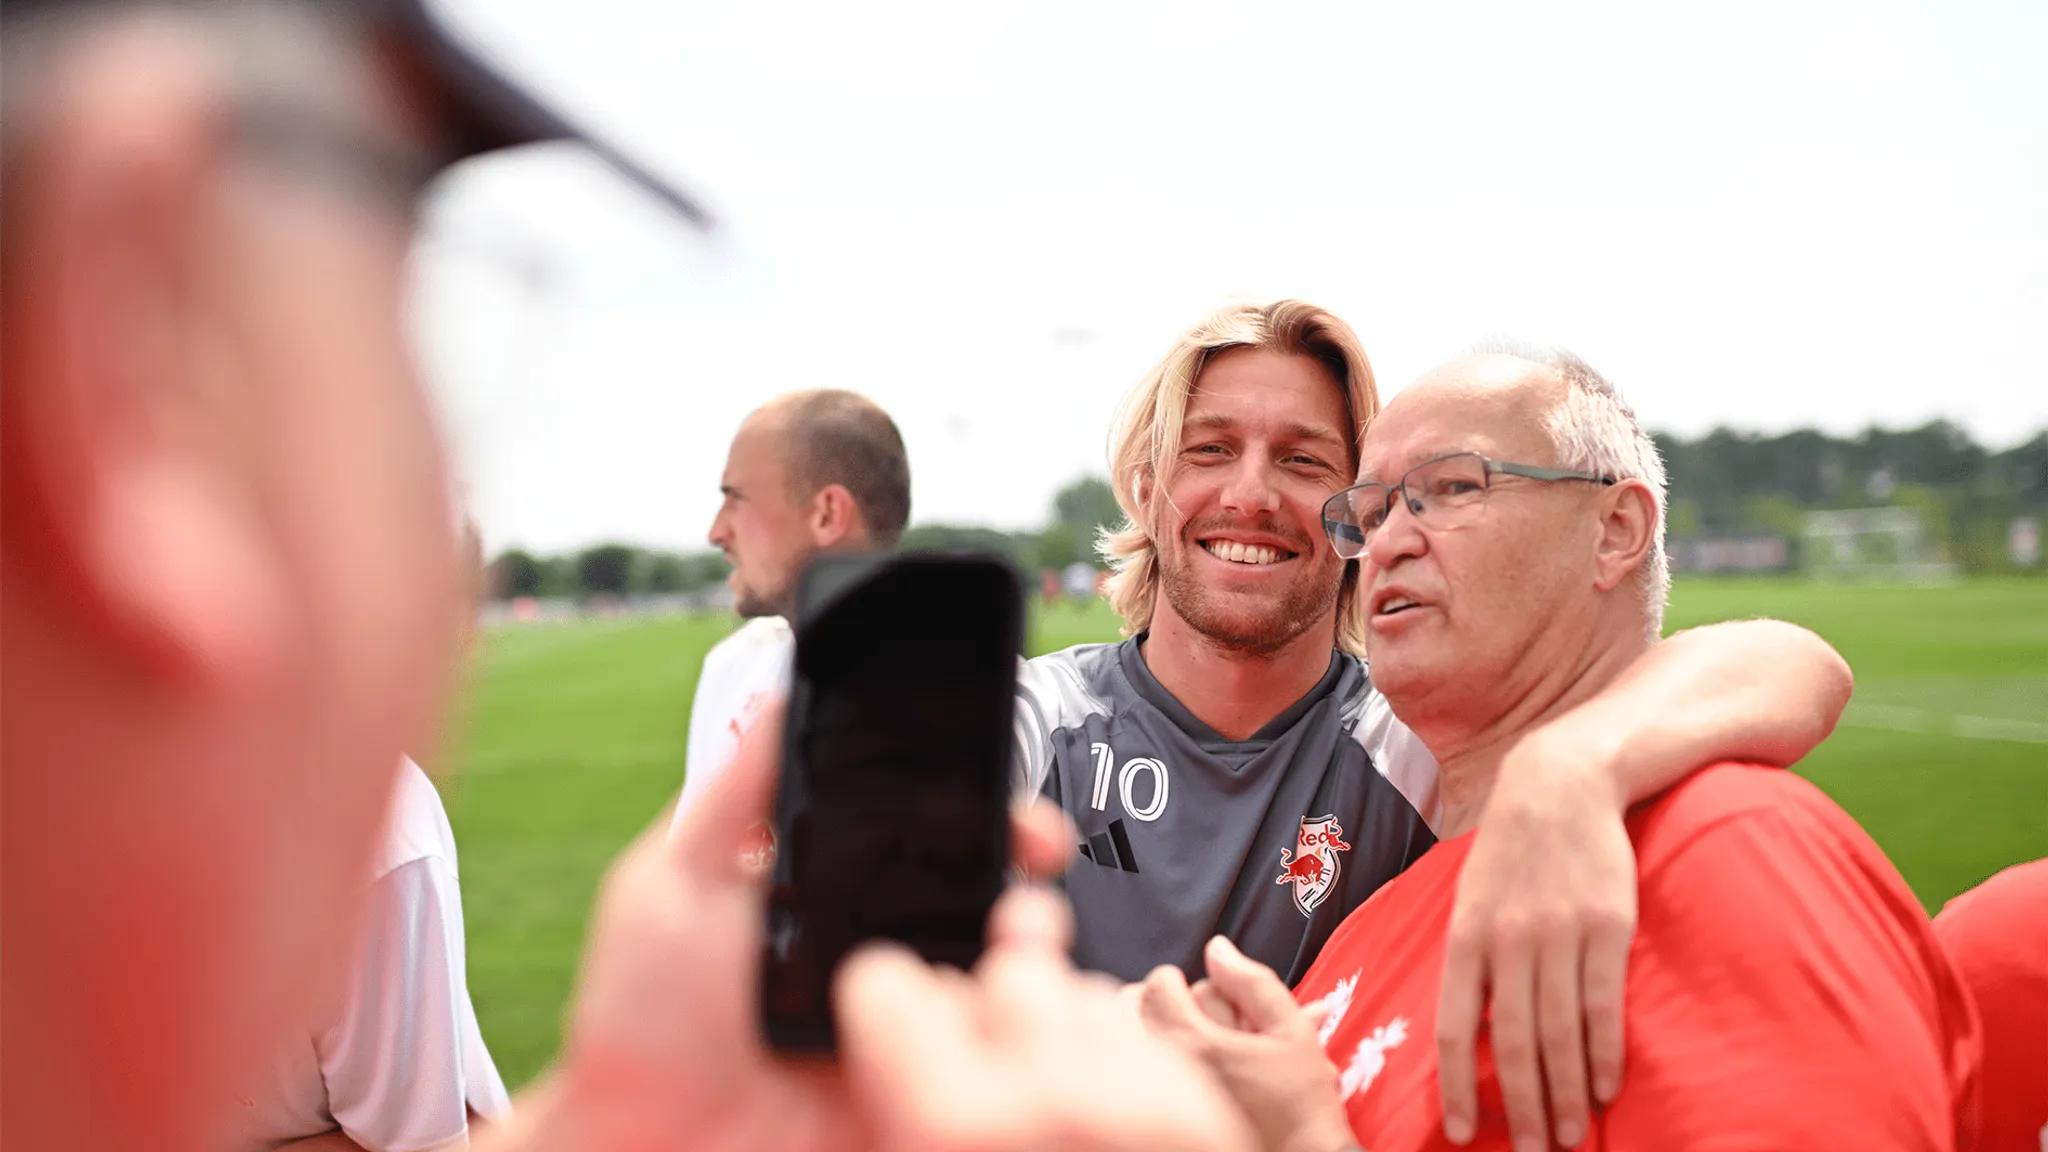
(1312, 864)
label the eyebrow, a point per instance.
(1294, 430)
(1417, 461)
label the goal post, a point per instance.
(1872, 544)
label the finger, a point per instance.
(1131, 998)
(708, 839)
(1258, 994)
(1560, 1029)
(908, 1043)
(1102, 984)
(1031, 918)
(1042, 839)
(1028, 992)
(1606, 992)
(1214, 1006)
(1169, 1008)
(1511, 978)
(1314, 1013)
(1457, 1028)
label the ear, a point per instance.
(835, 519)
(115, 434)
(1629, 525)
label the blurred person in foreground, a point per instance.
(808, 473)
(1997, 936)
(389, 1057)
(229, 574)
(1234, 768)
(1785, 989)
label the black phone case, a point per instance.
(892, 808)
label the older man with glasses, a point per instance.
(1785, 989)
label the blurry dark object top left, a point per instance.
(488, 109)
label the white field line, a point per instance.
(1897, 719)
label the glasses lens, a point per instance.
(1440, 487)
(1350, 516)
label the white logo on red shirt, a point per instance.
(1335, 1005)
(1371, 1058)
(1312, 865)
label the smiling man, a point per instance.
(1232, 769)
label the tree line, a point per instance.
(618, 570)
(1726, 482)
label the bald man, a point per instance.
(808, 473)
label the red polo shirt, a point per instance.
(1997, 935)
(1785, 989)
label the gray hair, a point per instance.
(1594, 430)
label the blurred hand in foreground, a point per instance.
(663, 1044)
(1243, 1023)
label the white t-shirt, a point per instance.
(742, 674)
(391, 1053)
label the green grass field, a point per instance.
(576, 736)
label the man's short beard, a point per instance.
(1300, 607)
(750, 604)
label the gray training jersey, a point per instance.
(1270, 841)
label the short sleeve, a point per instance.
(398, 1057)
(742, 674)
(1400, 756)
(709, 744)
(1031, 757)
(1784, 991)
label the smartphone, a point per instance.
(891, 816)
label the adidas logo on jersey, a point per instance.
(1111, 849)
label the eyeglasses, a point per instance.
(347, 158)
(1446, 492)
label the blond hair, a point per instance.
(1145, 440)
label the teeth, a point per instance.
(1395, 606)
(1239, 553)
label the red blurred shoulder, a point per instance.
(1722, 792)
(1998, 931)
(2016, 898)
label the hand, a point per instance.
(1244, 1024)
(1025, 1054)
(662, 1040)
(1545, 913)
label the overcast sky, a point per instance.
(993, 218)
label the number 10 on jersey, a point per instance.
(1126, 783)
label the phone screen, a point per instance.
(892, 812)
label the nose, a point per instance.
(1399, 538)
(720, 534)
(1250, 487)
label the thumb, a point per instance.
(1262, 1001)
